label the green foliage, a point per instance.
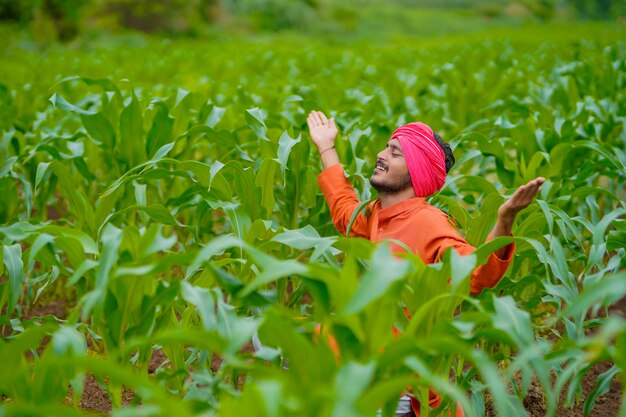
(598, 9)
(275, 14)
(64, 15)
(181, 213)
(165, 16)
(17, 11)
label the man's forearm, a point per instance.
(503, 227)
(329, 156)
(323, 133)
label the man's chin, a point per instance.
(376, 183)
(382, 188)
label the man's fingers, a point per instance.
(317, 118)
(523, 196)
(534, 188)
(531, 188)
(323, 117)
(526, 193)
(314, 122)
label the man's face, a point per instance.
(391, 174)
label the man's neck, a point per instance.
(388, 200)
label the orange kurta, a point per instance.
(425, 229)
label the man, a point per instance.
(412, 167)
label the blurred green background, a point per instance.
(46, 21)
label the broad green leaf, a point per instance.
(182, 112)
(161, 131)
(215, 116)
(265, 182)
(12, 257)
(255, 119)
(351, 381)
(609, 289)
(273, 269)
(285, 145)
(131, 146)
(385, 270)
(99, 128)
(79, 202)
(68, 339)
(512, 321)
(204, 302)
(7, 166)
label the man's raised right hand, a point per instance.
(323, 131)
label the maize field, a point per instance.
(163, 196)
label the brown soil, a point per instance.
(55, 308)
(619, 307)
(607, 405)
(158, 358)
(95, 398)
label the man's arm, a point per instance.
(508, 211)
(338, 192)
(488, 275)
(323, 133)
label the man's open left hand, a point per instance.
(520, 200)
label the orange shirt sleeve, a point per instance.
(484, 276)
(342, 201)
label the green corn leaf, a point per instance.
(360, 208)
(215, 116)
(161, 131)
(607, 290)
(602, 386)
(7, 166)
(67, 339)
(351, 381)
(78, 200)
(285, 145)
(131, 146)
(204, 302)
(512, 321)
(182, 112)
(99, 128)
(265, 182)
(12, 257)
(384, 271)
(255, 118)
(273, 269)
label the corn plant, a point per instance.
(188, 221)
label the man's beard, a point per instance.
(392, 188)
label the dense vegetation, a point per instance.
(166, 192)
(68, 20)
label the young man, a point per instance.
(412, 167)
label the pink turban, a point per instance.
(424, 158)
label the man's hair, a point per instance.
(447, 150)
